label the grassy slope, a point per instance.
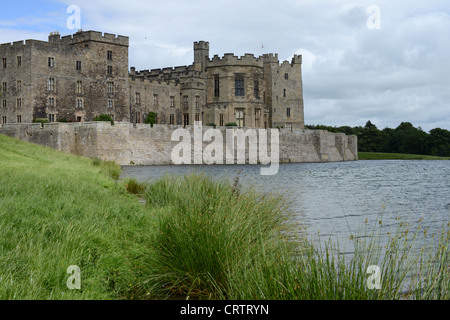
(396, 156)
(58, 210)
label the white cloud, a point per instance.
(351, 74)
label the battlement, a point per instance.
(230, 59)
(270, 58)
(21, 44)
(201, 45)
(95, 36)
(152, 81)
(167, 72)
(79, 37)
(296, 60)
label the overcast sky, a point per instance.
(383, 61)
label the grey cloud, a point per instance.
(398, 73)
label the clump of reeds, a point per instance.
(213, 242)
(134, 187)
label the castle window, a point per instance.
(186, 119)
(239, 85)
(51, 62)
(110, 70)
(4, 62)
(19, 118)
(110, 103)
(79, 119)
(221, 121)
(79, 103)
(51, 102)
(256, 89)
(197, 101)
(4, 119)
(288, 112)
(110, 87)
(240, 117)
(286, 76)
(137, 98)
(197, 117)
(172, 119)
(186, 102)
(51, 84)
(19, 85)
(289, 125)
(284, 93)
(79, 87)
(51, 118)
(216, 86)
(172, 102)
(19, 103)
(4, 104)
(155, 100)
(19, 61)
(78, 66)
(4, 87)
(109, 55)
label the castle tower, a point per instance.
(201, 54)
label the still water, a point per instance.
(334, 199)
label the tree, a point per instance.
(151, 118)
(439, 142)
(408, 139)
(370, 138)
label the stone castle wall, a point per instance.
(141, 144)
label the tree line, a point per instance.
(404, 139)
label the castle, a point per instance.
(77, 77)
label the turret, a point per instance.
(201, 53)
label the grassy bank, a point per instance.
(58, 210)
(396, 156)
(194, 238)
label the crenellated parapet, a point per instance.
(230, 59)
(91, 36)
(153, 81)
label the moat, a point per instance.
(336, 198)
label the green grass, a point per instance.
(58, 210)
(194, 238)
(396, 156)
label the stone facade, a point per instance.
(140, 144)
(77, 77)
(73, 78)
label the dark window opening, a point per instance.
(216, 86)
(239, 86)
(256, 89)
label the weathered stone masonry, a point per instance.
(127, 143)
(78, 77)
